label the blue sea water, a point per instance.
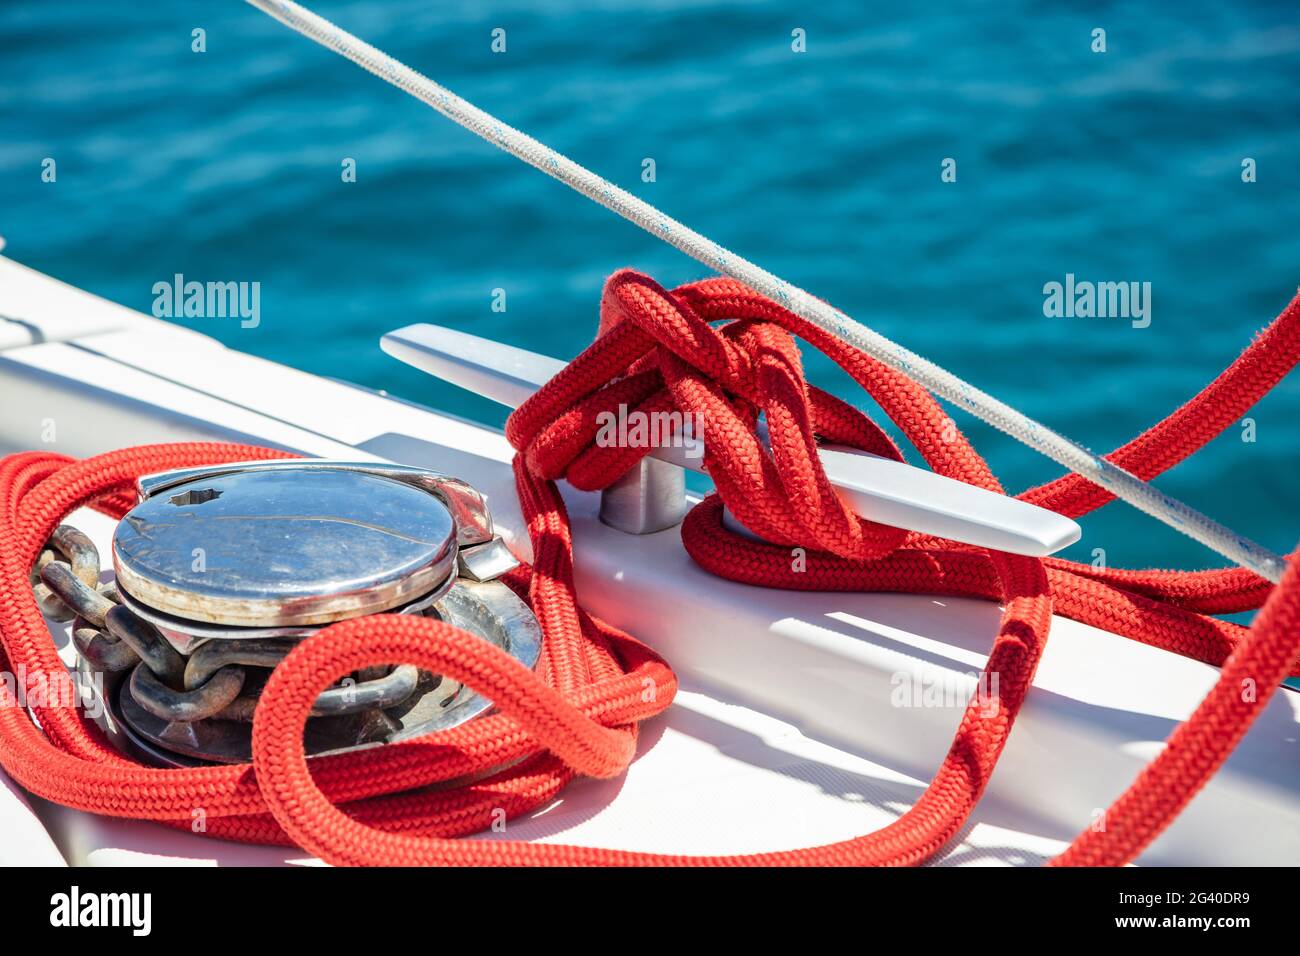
(823, 166)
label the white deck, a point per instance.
(784, 734)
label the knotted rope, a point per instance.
(577, 714)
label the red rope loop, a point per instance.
(659, 352)
(656, 354)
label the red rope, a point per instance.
(578, 713)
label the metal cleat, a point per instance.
(653, 497)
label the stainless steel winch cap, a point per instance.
(285, 546)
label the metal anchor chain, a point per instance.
(66, 585)
(112, 639)
(179, 654)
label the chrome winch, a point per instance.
(221, 571)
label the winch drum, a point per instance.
(221, 572)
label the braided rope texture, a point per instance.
(716, 349)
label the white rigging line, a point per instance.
(1060, 449)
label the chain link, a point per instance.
(112, 639)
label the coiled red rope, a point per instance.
(578, 713)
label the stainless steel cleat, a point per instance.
(653, 497)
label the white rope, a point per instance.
(1114, 479)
